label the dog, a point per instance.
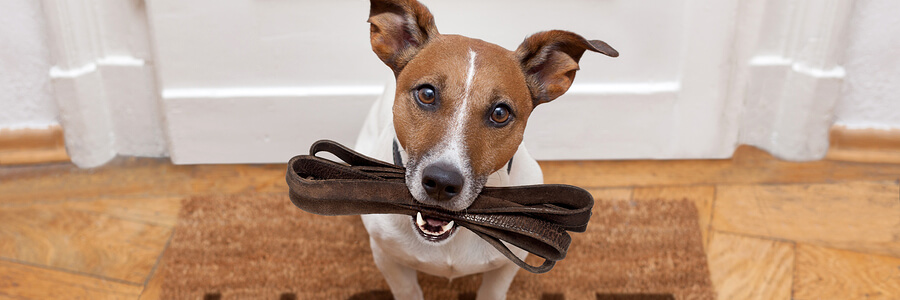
(455, 118)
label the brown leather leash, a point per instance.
(536, 218)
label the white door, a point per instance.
(260, 80)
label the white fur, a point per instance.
(398, 249)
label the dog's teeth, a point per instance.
(447, 227)
(423, 225)
(420, 220)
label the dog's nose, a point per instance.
(442, 182)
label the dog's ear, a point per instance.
(550, 60)
(399, 29)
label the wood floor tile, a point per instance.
(230, 179)
(123, 177)
(19, 281)
(613, 194)
(121, 243)
(823, 273)
(161, 211)
(154, 286)
(749, 165)
(702, 196)
(750, 268)
(859, 216)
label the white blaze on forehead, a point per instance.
(456, 136)
(455, 147)
(470, 75)
(462, 112)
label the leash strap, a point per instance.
(535, 218)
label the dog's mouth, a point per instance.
(434, 229)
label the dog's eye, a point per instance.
(500, 114)
(426, 94)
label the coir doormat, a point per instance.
(259, 246)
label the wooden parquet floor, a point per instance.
(773, 229)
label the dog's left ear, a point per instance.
(550, 60)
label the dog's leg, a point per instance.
(495, 283)
(401, 279)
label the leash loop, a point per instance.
(535, 218)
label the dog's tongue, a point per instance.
(434, 222)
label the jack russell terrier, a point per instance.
(459, 109)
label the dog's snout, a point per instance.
(442, 182)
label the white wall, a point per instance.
(26, 98)
(103, 71)
(871, 94)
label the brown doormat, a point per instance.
(262, 247)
